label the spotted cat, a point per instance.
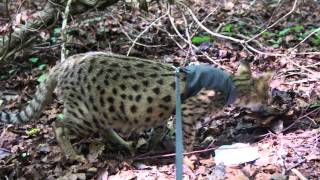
(109, 93)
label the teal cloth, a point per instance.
(210, 78)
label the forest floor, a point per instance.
(288, 143)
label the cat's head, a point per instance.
(253, 91)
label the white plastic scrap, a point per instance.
(236, 154)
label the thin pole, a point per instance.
(179, 137)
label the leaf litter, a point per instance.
(286, 148)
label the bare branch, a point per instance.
(63, 30)
(145, 30)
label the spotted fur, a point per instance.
(103, 92)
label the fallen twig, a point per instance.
(299, 174)
(294, 122)
(173, 154)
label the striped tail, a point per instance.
(34, 108)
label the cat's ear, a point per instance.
(243, 69)
(263, 81)
(267, 77)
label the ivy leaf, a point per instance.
(57, 30)
(12, 71)
(42, 66)
(42, 78)
(33, 60)
(60, 117)
(284, 31)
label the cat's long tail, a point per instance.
(33, 110)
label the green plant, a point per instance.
(33, 132)
(200, 39)
(228, 28)
(42, 78)
(60, 117)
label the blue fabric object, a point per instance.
(207, 77)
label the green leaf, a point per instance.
(42, 66)
(3, 77)
(317, 34)
(42, 78)
(297, 27)
(228, 28)
(315, 41)
(239, 27)
(315, 105)
(57, 30)
(102, 30)
(200, 39)
(284, 31)
(300, 37)
(308, 32)
(53, 40)
(267, 34)
(33, 132)
(12, 71)
(25, 154)
(60, 117)
(275, 43)
(33, 60)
